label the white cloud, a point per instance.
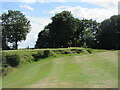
(27, 7)
(98, 0)
(57, 0)
(98, 14)
(25, 12)
(41, 1)
(33, 1)
(4, 10)
(37, 24)
(102, 3)
(28, 1)
(106, 4)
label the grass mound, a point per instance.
(17, 58)
(97, 70)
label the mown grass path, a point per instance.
(96, 70)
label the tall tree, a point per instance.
(77, 36)
(62, 29)
(15, 27)
(109, 34)
(43, 40)
(89, 33)
(86, 33)
(66, 31)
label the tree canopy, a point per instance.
(15, 27)
(67, 31)
(109, 33)
(64, 31)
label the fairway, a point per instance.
(97, 70)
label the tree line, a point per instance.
(64, 31)
(67, 31)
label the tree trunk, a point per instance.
(16, 46)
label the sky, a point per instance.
(39, 12)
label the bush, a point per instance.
(4, 61)
(67, 52)
(7, 70)
(89, 50)
(43, 54)
(12, 60)
(38, 55)
(60, 51)
(78, 51)
(48, 53)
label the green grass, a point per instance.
(97, 70)
(26, 55)
(27, 75)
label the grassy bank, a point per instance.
(96, 70)
(23, 57)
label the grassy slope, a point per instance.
(96, 70)
(26, 54)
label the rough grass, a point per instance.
(97, 70)
(32, 55)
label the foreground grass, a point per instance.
(97, 70)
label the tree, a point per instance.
(86, 33)
(62, 29)
(67, 31)
(43, 39)
(109, 34)
(0, 38)
(76, 40)
(3, 38)
(89, 33)
(15, 27)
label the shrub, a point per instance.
(43, 54)
(12, 60)
(4, 61)
(78, 51)
(89, 50)
(48, 53)
(38, 55)
(61, 51)
(67, 52)
(7, 70)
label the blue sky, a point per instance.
(40, 12)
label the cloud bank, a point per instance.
(98, 14)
